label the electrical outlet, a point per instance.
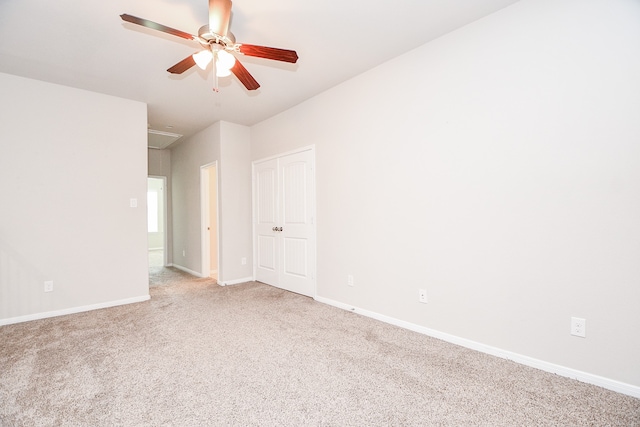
(243, 261)
(184, 252)
(422, 296)
(579, 327)
(350, 280)
(48, 286)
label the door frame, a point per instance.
(205, 199)
(165, 237)
(314, 260)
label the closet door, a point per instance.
(297, 238)
(265, 186)
(284, 216)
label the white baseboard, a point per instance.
(218, 281)
(73, 310)
(235, 282)
(617, 386)
(186, 270)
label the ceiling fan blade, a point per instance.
(219, 16)
(244, 76)
(183, 65)
(274, 53)
(156, 26)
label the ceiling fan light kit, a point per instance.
(219, 46)
(202, 58)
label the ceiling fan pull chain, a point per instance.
(215, 72)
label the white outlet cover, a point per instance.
(578, 327)
(422, 296)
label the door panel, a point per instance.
(295, 257)
(267, 251)
(266, 181)
(294, 194)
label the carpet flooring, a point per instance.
(198, 354)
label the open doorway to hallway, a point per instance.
(156, 221)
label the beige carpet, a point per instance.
(156, 260)
(202, 355)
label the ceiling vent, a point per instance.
(159, 140)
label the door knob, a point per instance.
(274, 229)
(280, 229)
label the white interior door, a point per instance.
(284, 222)
(266, 219)
(297, 229)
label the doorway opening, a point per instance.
(209, 221)
(156, 221)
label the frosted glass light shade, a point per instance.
(225, 60)
(223, 72)
(202, 58)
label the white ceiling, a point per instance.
(85, 44)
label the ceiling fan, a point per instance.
(219, 45)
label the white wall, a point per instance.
(70, 162)
(498, 168)
(159, 162)
(186, 158)
(229, 145)
(235, 203)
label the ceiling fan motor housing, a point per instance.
(208, 38)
